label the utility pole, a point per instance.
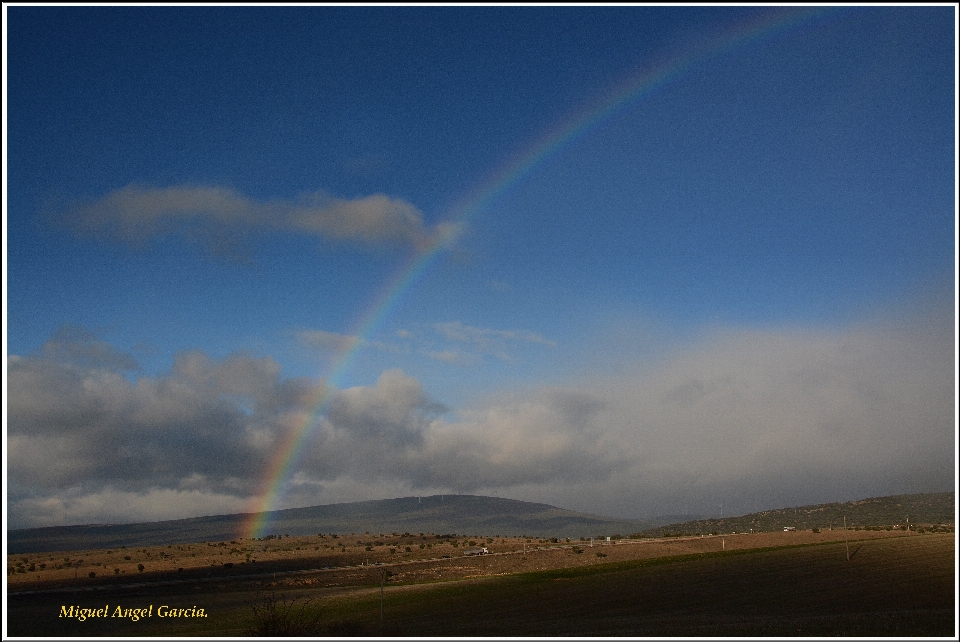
(846, 541)
(383, 575)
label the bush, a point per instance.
(281, 617)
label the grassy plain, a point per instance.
(762, 584)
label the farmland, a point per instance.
(797, 583)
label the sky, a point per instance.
(626, 260)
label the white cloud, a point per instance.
(327, 341)
(457, 331)
(334, 343)
(752, 418)
(219, 216)
(456, 343)
(111, 506)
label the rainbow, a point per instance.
(288, 453)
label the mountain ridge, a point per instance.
(447, 514)
(871, 512)
(471, 515)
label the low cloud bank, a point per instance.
(749, 419)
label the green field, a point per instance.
(899, 586)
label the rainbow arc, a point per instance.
(289, 451)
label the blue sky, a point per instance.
(713, 292)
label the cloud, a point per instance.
(447, 356)
(550, 437)
(81, 432)
(110, 506)
(485, 337)
(334, 343)
(753, 418)
(471, 343)
(80, 346)
(326, 341)
(89, 428)
(218, 217)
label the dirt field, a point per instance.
(730, 584)
(410, 557)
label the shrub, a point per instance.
(281, 617)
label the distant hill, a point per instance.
(438, 514)
(474, 515)
(925, 508)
